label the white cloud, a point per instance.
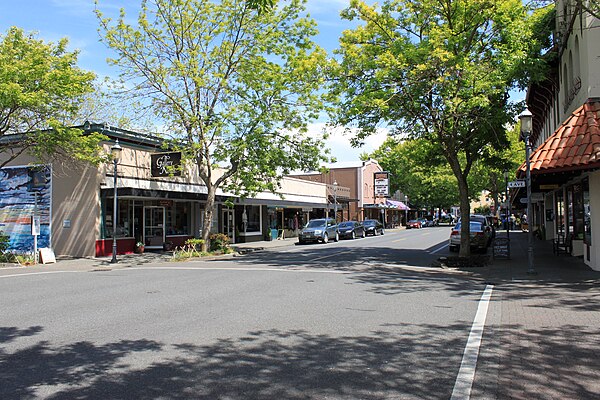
(339, 143)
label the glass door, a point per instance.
(154, 227)
(228, 224)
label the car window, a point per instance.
(315, 223)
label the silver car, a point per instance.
(319, 230)
(480, 236)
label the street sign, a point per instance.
(523, 200)
(516, 184)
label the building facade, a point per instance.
(156, 204)
(565, 163)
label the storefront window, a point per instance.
(560, 213)
(178, 219)
(248, 219)
(576, 214)
(587, 215)
(124, 226)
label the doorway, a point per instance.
(154, 227)
(228, 224)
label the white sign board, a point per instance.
(35, 225)
(47, 256)
(516, 184)
(382, 184)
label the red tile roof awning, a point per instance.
(574, 146)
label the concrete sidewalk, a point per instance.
(541, 338)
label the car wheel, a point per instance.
(363, 234)
(353, 235)
(382, 232)
(325, 238)
(300, 241)
(337, 237)
(453, 249)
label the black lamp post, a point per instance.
(526, 127)
(335, 185)
(115, 151)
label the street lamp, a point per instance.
(115, 152)
(406, 210)
(335, 185)
(526, 127)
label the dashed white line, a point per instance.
(466, 374)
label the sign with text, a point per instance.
(165, 164)
(516, 184)
(382, 184)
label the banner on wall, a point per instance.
(25, 194)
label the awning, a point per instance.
(397, 204)
(575, 145)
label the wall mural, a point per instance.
(22, 190)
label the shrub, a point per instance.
(4, 242)
(219, 242)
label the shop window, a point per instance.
(248, 219)
(560, 213)
(587, 215)
(124, 226)
(178, 219)
(575, 211)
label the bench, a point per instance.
(563, 244)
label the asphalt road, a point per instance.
(358, 319)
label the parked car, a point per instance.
(373, 227)
(480, 236)
(351, 230)
(319, 230)
(485, 221)
(414, 223)
(423, 222)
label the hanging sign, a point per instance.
(165, 164)
(382, 184)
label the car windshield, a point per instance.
(473, 226)
(413, 221)
(369, 222)
(316, 223)
(346, 224)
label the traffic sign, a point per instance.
(516, 184)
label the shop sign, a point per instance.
(382, 184)
(165, 164)
(307, 209)
(549, 187)
(165, 203)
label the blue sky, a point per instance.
(74, 19)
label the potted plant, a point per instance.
(139, 248)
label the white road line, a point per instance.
(440, 249)
(397, 240)
(466, 374)
(235, 269)
(331, 255)
(37, 273)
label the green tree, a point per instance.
(419, 171)
(439, 70)
(236, 88)
(41, 90)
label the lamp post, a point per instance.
(335, 185)
(115, 151)
(507, 210)
(526, 127)
(406, 210)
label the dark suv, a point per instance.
(319, 230)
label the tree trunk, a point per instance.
(465, 218)
(208, 215)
